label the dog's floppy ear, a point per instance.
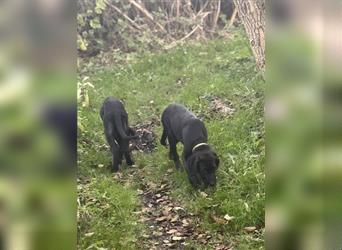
(193, 170)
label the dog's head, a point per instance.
(204, 164)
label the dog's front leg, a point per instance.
(183, 161)
(190, 166)
(193, 180)
(173, 153)
(117, 156)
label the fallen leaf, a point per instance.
(89, 234)
(220, 236)
(185, 222)
(118, 175)
(203, 194)
(172, 231)
(228, 218)
(177, 238)
(220, 106)
(175, 218)
(160, 200)
(218, 220)
(247, 207)
(143, 219)
(223, 247)
(146, 210)
(162, 218)
(200, 236)
(167, 210)
(151, 185)
(156, 233)
(250, 229)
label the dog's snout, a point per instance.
(212, 183)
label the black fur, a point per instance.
(180, 125)
(117, 131)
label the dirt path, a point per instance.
(169, 225)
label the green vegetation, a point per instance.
(190, 74)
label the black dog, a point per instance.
(201, 162)
(117, 131)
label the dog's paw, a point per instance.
(179, 167)
(130, 163)
(163, 143)
(114, 169)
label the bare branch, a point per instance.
(125, 16)
(146, 13)
(216, 16)
(173, 44)
(232, 19)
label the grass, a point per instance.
(187, 74)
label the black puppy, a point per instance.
(117, 131)
(201, 162)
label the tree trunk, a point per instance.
(252, 15)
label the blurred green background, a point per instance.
(38, 125)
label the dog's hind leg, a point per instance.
(131, 131)
(183, 161)
(114, 147)
(129, 160)
(173, 152)
(163, 137)
(120, 157)
(116, 160)
(124, 150)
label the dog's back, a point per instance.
(177, 119)
(174, 119)
(111, 106)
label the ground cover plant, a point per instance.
(151, 205)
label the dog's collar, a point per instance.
(198, 145)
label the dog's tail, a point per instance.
(118, 125)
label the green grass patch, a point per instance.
(106, 218)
